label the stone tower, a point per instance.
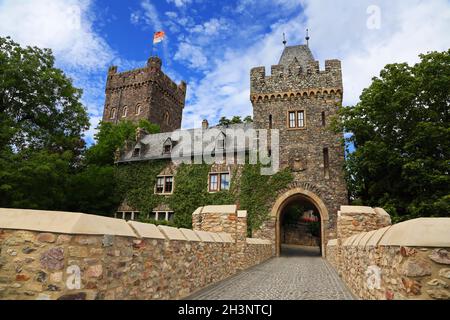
(145, 93)
(299, 100)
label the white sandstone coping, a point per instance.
(422, 232)
(258, 241)
(63, 222)
(242, 214)
(367, 235)
(147, 231)
(205, 236)
(172, 233)
(198, 211)
(220, 209)
(358, 238)
(376, 237)
(381, 212)
(190, 235)
(226, 237)
(332, 243)
(216, 237)
(349, 210)
(349, 241)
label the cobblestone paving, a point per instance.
(299, 274)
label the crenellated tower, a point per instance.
(299, 100)
(146, 93)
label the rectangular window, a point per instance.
(167, 149)
(164, 185)
(171, 216)
(225, 181)
(168, 185)
(160, 185)
(326, 162)
(152, 216)
(301, 119)
(213, 182)
(291, 119)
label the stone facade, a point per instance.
(107, 259)
(297, 84)
(313, 153)
(409, 260)
(145, 93)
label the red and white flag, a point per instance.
(158, 37)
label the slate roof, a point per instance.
(302, 53)
(153, 144)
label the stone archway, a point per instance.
(285, 199)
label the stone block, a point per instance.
(172, 233)
(147, 231)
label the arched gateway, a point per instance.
(304, 196)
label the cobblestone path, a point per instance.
(299, 274)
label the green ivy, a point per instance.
(258, 192)
(253, 192)
(136, 182)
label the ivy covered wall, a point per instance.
(249, 190)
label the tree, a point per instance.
(400, 130)
(39, 107)
(248, 120)
(236, 120)
(224, 122)
(41, 125)
(110, 137)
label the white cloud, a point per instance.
(339, 31)
(191, 54)
(211, 27)
(180, 3)
(408, 28)
(65, 26)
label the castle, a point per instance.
(297, 98)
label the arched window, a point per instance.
(166, 118)
(125, 112)
(138, 109)
(113, 113)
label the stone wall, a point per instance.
(55, 255)
(148, 94)
(409, 260)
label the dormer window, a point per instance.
(220, 143)
(137, 152)
(167, 147)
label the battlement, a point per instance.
(151, 73)
(296, 78)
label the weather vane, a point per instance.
(284, 39)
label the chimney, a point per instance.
(205, 124)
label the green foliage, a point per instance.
(135, 183)
(258, 191)
(224, 121)
(293, 214)
(41, 126)
(110, 137)
(39, 107)
(156, 222)
(401, 134)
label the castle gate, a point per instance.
(299, 195)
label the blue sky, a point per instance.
(213, 44)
